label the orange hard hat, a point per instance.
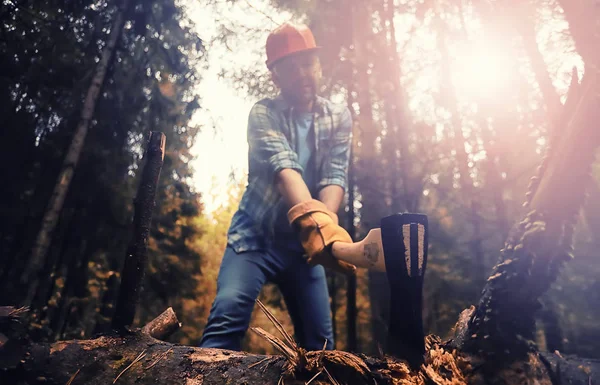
(289, 39)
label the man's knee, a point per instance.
(228, 320)
(232, 305)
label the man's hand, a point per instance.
(318, 230)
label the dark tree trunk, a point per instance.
(351, 313)
(135, 259)
(540, 244)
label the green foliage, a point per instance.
(52, 50)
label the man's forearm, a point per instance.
(294, 190)
(292, 187)
(332, 197)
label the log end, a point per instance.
(162, 326)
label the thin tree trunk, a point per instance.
(332, 285)
(397, 117)
(526, 28)
(367, 135)
(495, 184)
(65, 176)
(351, 312)
(462, 160)
(135, 259)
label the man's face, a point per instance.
(298, 77)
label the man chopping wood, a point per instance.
(282, 232)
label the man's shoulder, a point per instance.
(277, 104)
(262, 105)
(266, 106)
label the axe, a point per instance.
(399, 248)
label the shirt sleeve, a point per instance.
(335, 165)
(267, 144)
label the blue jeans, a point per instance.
(240, 280)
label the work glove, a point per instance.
(318, 229)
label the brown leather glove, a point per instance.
(318, 230)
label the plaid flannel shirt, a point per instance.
(272, 148)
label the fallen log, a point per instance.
(138, 358)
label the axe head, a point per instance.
(405, 242)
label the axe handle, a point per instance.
(348, 252)
(368, 253)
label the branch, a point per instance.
(162, 326)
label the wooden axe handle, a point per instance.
(367, 253)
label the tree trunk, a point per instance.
(366, 134)
(540, 244)
(583, 17)
(398, 124)
(351, 313)
(526, 28)
(494, 183)
(135, 259)
(462, 162)
(50, 219)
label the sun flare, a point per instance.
(481, 70)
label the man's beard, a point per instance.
(301, 94)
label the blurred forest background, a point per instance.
(454, 103)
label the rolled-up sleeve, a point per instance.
(335, 165)
(268, 146)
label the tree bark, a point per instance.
(50, 219)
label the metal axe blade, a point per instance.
(370, 252)
(405, 240)
(398, 248)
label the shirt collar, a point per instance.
(320, 106)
